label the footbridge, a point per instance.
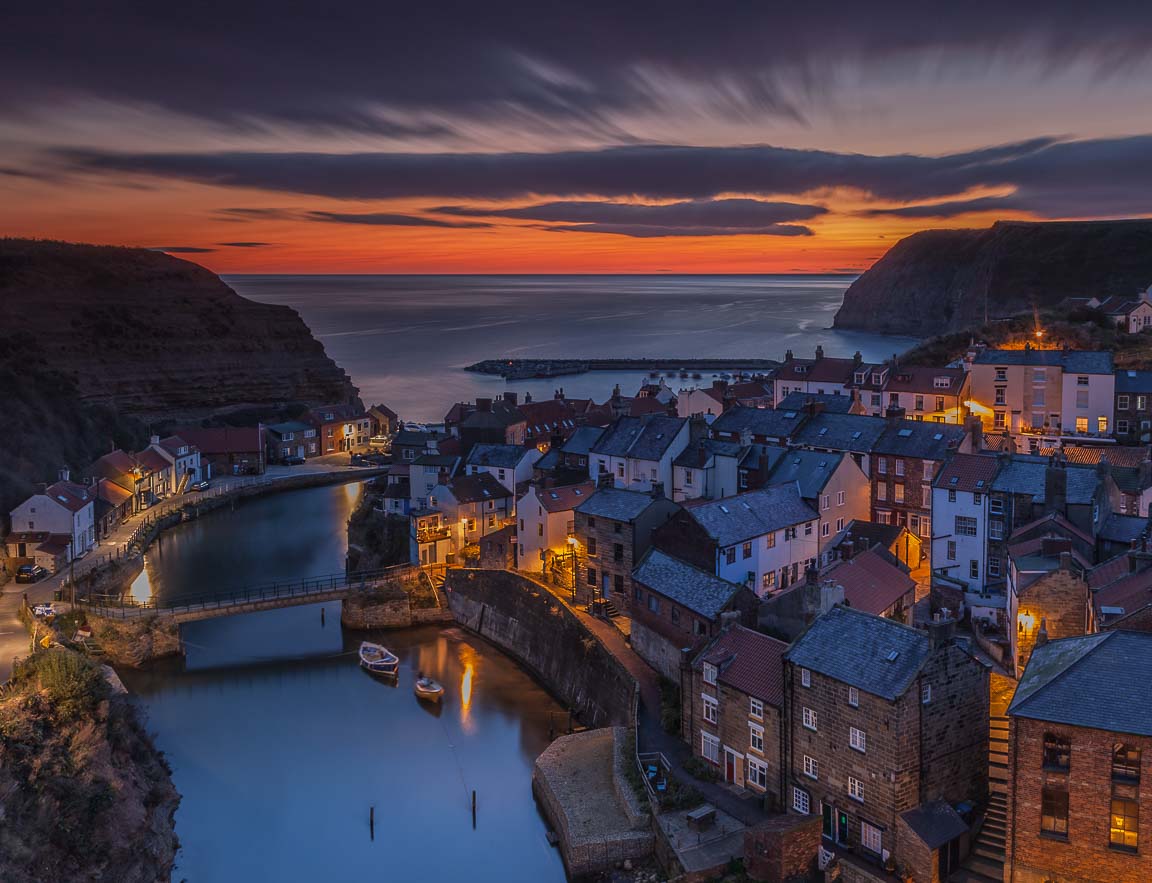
(269, 596)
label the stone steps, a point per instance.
(967, 875)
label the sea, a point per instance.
(405, 340)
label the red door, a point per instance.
(729, 767)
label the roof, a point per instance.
(873, 533)
(810, 470)
(476, 488)
(640, 438)
(70, 495)
(1090, 455)
(698, 454)
(1025, 474)
(858, 433)
(112, 493)
(1071, 361)
(919, 439)
(1133, 381)
(1097, 681)
(971, 473)
(748, 661)
(339, 413)
(288, 426)
(1122, 528)
(644, 405)
(152, 460)
(733, 520)
(226, 439)
(583, 439)
(173, 443)
(766, 422)
(701, 592)
(411, 437)
(56, 544)
(616, 504)
(441, 460)
(935, 823)
(871, 583)
(830, 370)
(565, 498)
(117, 462)
(873, 654)
(833, 404)
(1129, 592)
(923, 378)
(500, 456)
(384, 411)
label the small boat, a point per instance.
(426, 688)
(378, 660)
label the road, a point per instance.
(14, 640)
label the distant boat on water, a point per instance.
(428, 689)
(378, 659)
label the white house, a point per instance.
(638, 451)
(511, 465)
(545, 522)
(707, 402)
(473, 506)
(64, 509)
(185, 459)
(961, 523)
(707, 468)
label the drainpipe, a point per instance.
(786, 743)
(1010, 857)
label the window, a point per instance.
(709, 673)
(994, 565)
(996, 529)
(809, 719)
(925, 694)
(1082, 380)
(853, 697)
(1081, 398)
(618, 584)
(805, 677)
(974, 569)
(592, 545)
(1124, 821)
(1122, 403)
(591, 576)
(965, 526)
(1141, 402)
(1054, 811)
(770, 580)
(871, 838)
(638, 594)
(939, 403)
(1001, 373)
(710, 747)
(825, 528)
(1125, 763)
(746, 551)
(800, 801)
(756, 737)
(808, 528)
(881, 491)
(883, 516)
(899, 467)
(1057, 752)
(811, 767)
(825, 501)
(840, 498)
(977, 499)
(757, 773)
(1000, 394)
(882, 465)
(675, 611)
(617, 552)
(1102, 425)
(898, 496)
(688, 477)
(1123, 427)
(839, 524)
(951, 496)
(770, 540)
(996, 505)
(710, 709)
(918, 403)
(856, 789)
(756, 709)
(620, 471)
(730, 555)
(857, 739)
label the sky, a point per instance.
(498, 137)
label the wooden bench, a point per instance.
(702, 818)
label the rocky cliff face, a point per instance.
(97, 342)
(943, 280)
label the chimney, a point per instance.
(605, 479)
(657, 491)
(527, 398)
(154, 440)
(846, 550)
(1104, 468)
(1042, 635)
(1066, 561)
(65, 473)
(1055, 486)
(895, 414)
(976, 432)
(941, 631)
(512, 398)
(813, 407)
(788, 356)
(857, 358)
(745, 437)
(811, 575)
(728, 619)
(819, 351)
(483, 404)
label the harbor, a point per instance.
(523, 369)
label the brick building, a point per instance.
(732, 705)
(881, 719)
(1047, 590)
(1080, 731)
(677, 607)
(613, 531)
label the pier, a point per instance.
(523, 369)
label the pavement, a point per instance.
(14, 640)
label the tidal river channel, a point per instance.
(280, 744)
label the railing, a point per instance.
(362, 581)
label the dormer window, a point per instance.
(860, 375)
(709, 673)
(875, 378)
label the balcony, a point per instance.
(433, 534)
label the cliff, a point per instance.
(84, 794)
(938, 281)
(96, 342)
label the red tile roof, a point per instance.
(114, 464)
(112, 493)
(749, 662)
(70, 495)
(647, 405)
(1117, 455)
(871, 584)
(922, 379)
(152, 460)
(226, 440)
(831, 371)
(1111, 570)
(1130, 593)
(972, 473)
(566, 498)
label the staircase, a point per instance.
(985, 863)
(610, 611)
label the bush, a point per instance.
(701, 769)
(669, 707)
(74, 684)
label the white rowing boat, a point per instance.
(426, 688)
(378, 659)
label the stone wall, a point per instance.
(539, 632)
(953, 728)
(657, 650)
(782, 849)
(1061, 600)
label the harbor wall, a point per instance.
(540, 633)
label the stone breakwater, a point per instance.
(540, 633)
(521, 369)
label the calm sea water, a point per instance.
(280, 744)
(405, 339)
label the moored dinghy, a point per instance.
(427, 688)
(378, 659)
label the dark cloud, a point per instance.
(258, 214)
(375, 66)
(182, 249)
(245, 244)
(647, 231)
(950, 209)
(385, 219)
(1092, 178)
(718, 213)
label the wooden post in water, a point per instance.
(372, 822)
(321, 617)
(473, 809)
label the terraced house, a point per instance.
(935, 395)
(638, 451)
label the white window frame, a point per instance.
(811, 767)
(871, 838)
(711, 708)
(925, 694)
(753, 765)
(809, 719)
(855, 789)
(858, 740)
(709, 746)
(709, 673)
(801, 802)
(756, 709)
(756, 735)
(805, 677)
(854, 697)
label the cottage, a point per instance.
(708, 468)
(341, 428)
(821, 375)
(62, 510)
(875, 583)
(638, 452)
(1134, 407)
(511, 465)
(229, 450)
(761, 425)
(292, 439)
(383, 424)
(547, 529)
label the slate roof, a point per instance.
(640, 438)
(833, 404)
(735, 519)
(922, 379)
(1071, 361)
(748, 661)
(476, 488)
(697, 455)
(919, 439)
(701, 592)
(550, 460)
(1119, 598)
(810, 470)
(1123, 528)
(1024, 474)
(871, 653)
(565, 498)
(288, 426)
(935, 823)
(1134, 382)
(411, 437)
(871, 584)
(498, 456)
(1097, 681)
(583, 439)
(616, 504)
(971, 473)
(872, 533)
(858, 433)
(766, 422)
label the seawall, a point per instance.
(536, 630)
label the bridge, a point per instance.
(269, 596)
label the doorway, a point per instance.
(842, 828)
(732, 771)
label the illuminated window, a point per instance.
(1057, 753)
(1054, 811)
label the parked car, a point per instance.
(200, 486)
(293, 461)
(30, 573)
